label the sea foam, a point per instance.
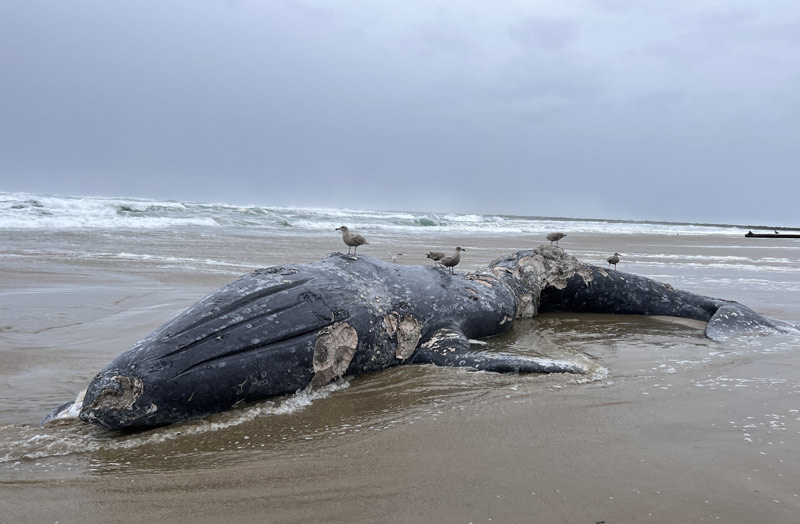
(35, 211)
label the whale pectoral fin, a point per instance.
(449, 347)
(443, 341)
(735, 319)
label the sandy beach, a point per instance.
(669, 428)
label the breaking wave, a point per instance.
(36, 211)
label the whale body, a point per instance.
(285, 328)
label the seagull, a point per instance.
(435, 256)
(452, 260)
(394, 256)
(613, 259)
(555, 237)
(352, 240)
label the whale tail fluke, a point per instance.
(735, 319)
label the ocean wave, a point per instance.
(709, 265)
(34, 211)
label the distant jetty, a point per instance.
(750, 234)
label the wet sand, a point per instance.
(678, 429)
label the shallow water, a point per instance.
(665, 424)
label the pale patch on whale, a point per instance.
(66, 411)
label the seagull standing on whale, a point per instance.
(555, 237)
(613, 259)
(352, 240)
(452, 260)
(435, 256)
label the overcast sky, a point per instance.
(684, 110)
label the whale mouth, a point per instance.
(66, 411)
(109, 396)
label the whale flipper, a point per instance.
(449, 347)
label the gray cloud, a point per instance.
(550, 33)
(644, 110)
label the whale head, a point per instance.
(112, 400)
(249, 340)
